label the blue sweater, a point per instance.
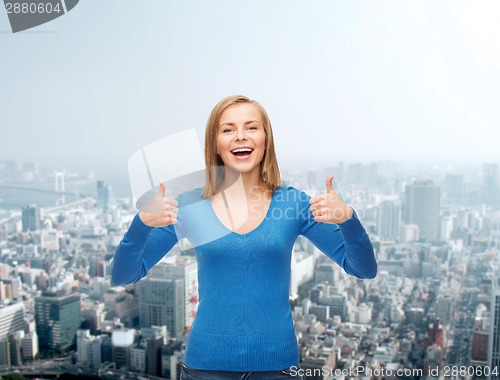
(244, 322)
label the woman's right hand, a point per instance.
(161, 211)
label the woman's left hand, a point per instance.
(329, 208)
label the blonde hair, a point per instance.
(269, 171)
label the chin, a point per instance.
(243, 168)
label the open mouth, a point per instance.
(242, 152)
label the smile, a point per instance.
(242, 153)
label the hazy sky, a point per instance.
(341, 80)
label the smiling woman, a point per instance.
(241, 124)
(236, 123)
(243, 327)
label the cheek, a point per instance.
(220, 145)
(262, 141)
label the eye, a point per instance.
(226, 130)
(253, 127)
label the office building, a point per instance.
(315, 360)
(57, 319)
(83, 339)
(107, 349)
(422, 208)
(182, 268)
(4, 352)
(356, 174)
(454, 186)
(15, 345)
(409, 233)
(337, 305)
(362, 314)
(94, 313)
(326, 273)
(436, 335)
(11, 319)
(121, 304)
(479, 352)
(138, 357)
(490, 184)
(170, 355)
(153, 354)
(432, 358)
(122, 341)
(321, 312)
(31, 218)
(494, 341)
(389, 220)
(162, 303)
(302, 271)
(102, 196)
(445, 306)
(30, 346)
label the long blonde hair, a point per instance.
(269, 170)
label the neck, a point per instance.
(251, 181)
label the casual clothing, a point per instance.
(244, 322)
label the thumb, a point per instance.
(329, 186)
(163, 188)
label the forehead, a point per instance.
(240, 113)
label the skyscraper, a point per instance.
(169, 353)
(57, 319)
(185, 269)
(88, 348)
(4, 352)
(15, 344)
(161, 303)
(422, 207)
(11, 319)
(31, 218)
(153, 354)
(490, 184)
(445, 306)
(138, 357)
(455, 190)
(30, 346)
(480, 346)
(326, 273)
(494, 341)
(123, 341)
(389, 220)
(102, 196)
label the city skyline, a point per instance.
(431, 306)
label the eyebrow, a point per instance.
(233, 124)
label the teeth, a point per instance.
(242, 150)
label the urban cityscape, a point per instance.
(432, 312)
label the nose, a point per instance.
(240, 134)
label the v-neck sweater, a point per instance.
(244, 321)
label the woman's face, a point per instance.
(241, 139)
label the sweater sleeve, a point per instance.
(347, 243)
(140, 249)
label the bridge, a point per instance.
(81, 198)
(26, 188)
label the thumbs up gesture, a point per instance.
(160, 211)
(329, 208)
